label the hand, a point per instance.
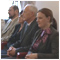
(11, 51)
(8, 53)
(32, 56)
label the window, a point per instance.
(5, 4)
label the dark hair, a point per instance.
(54, 23)
(47, 13)
(21, 12)
(16, 8)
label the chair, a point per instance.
(3, 44)
(21, 55)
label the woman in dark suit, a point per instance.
(16, 34)
(46, 40)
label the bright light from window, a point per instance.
(4, 5)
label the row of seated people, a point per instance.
(37, 38)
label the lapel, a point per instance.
(22, 31)
(6, 28)
(11, 27)
(42, 46)
(15, 22)
(7, 24)
(30, 28)
(17, 27)
(37, 34)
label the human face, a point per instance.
(27, 14)
(11, 12)
(21, 19)
(42, 20)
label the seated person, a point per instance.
(16, 34)
(46, 40)
(27, 33)
(10, 26)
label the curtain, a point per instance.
(23, 3)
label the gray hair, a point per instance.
(32, 8)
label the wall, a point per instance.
(53, 5)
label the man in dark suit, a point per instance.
(28, 31)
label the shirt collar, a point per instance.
(14, 19)
(29, 23)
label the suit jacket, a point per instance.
(7, 31)
(15, 35)
(26, 38)
(2, 24)
(49, 49)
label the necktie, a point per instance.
(26, 27)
